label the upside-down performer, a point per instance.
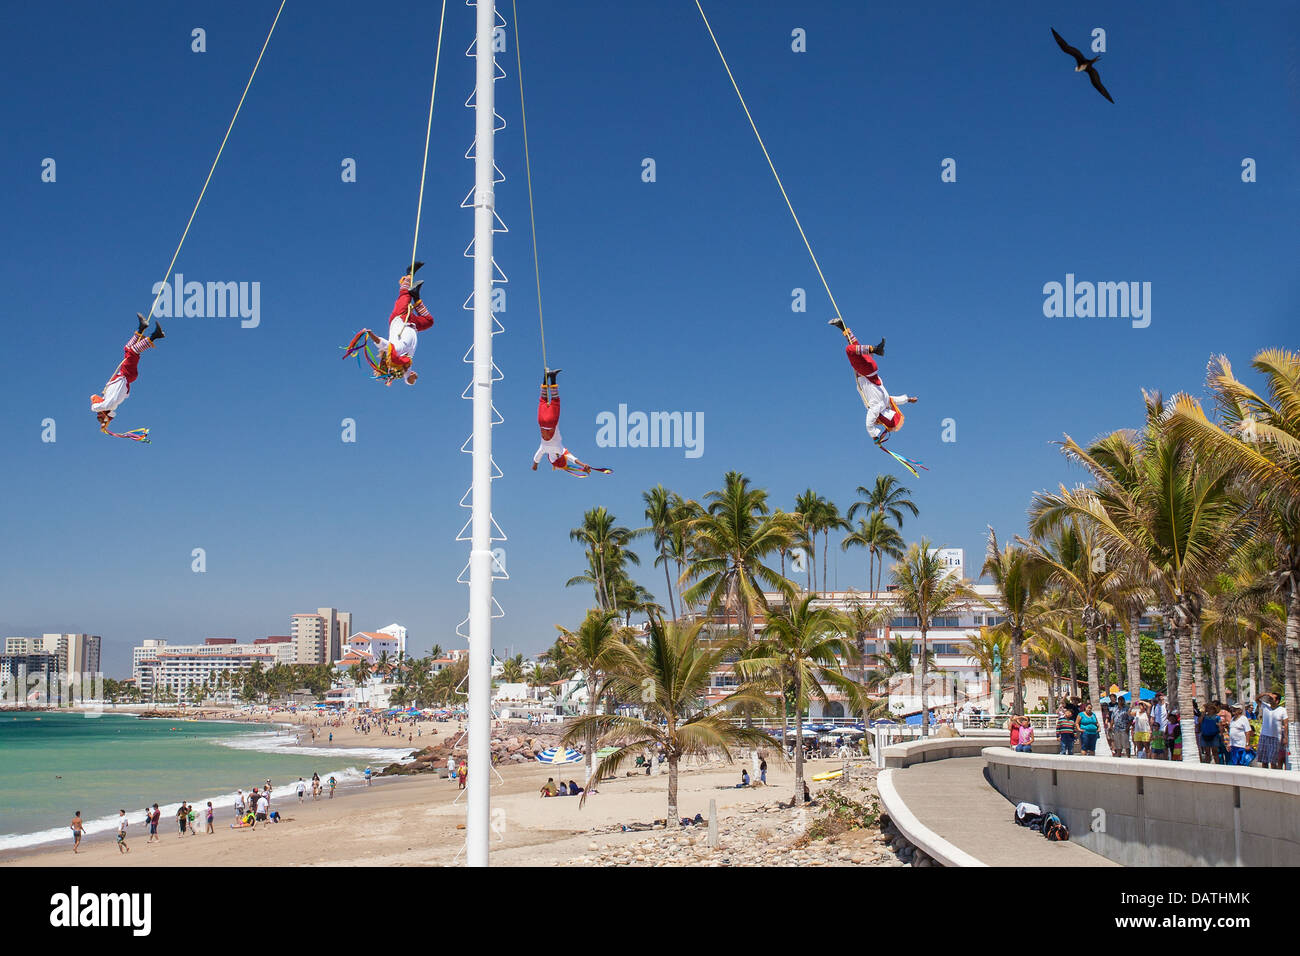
(884, 417)
(390, 358)
(552, 446)
(119, 385)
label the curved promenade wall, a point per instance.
(1158, 813)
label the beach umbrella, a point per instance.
(559, 755)
(1143, 694)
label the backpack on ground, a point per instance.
(1029, 815)
(1054, 828)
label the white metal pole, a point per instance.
(478, 808)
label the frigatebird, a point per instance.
(1082, 63)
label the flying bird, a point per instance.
(1082, 63)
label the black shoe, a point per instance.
(143, 324)
(879, 349)
(552, 372)
(415, 267)
(157, 333)
(415, 290)
(838, 323)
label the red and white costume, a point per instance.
(404, 325)
(882, 408)
(548, 420)
(119, 386)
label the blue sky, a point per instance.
(673, 295)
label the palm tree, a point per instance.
(660, 515)
(606, 544)
(730, 541)
(863, 621)
(1019, 581)
(879, 537)
(887, 497)
(925, 588)
(987, 650)
(1257, 438)
(1075, 559)
(669, 678)
(807, 508)
(801, 648)
(595, 649)
(899, 656)
(1170, 513)
(512, 669)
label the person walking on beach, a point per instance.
(302, 790)
(762, 772)
(263, 808)
(121, 832)
(368, 773)
(315, 786)
(333, 784)
(180, 820)
(209, 817)
(461, 775)
(76, 831)
(239, 805)
(152, 816)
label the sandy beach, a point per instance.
(413, 821)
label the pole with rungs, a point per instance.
(478, 808)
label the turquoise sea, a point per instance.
(52, 764)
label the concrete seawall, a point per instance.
(1158, 813)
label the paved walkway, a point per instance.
(953, 799)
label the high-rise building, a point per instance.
(74, 654)
(182, 668)
(311, 638)
(398, 633)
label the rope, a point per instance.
(428, 129)
(770, 164)
(202, 191)
(528, 171)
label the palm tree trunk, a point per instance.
(1094, 673)
(674, 821)
(826, 546)
(1168, 633)
(1018, 687)
(925, 697)
(797, 799)
(1186, 694)
(591, 738)
(1132, 641)
(1200, 685)
(668, 582)
(1292, 657)
(1221, 665)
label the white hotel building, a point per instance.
(954, 678)
(159, 666)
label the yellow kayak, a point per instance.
(828, 775)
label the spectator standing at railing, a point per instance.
(1121, 724)
(1142, 731)
(1026, 743)
(1089, 729)
(1272, 732)
(1159, 717)
(1067, 729)
(1013, 726)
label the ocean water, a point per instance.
(52, 764)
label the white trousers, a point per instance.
(115, 393)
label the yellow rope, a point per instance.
(428, 129)
(247, 85)
(528, 171)
(761, 144)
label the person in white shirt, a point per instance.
(1239, 731)
(1272, 733)
(263, 808)
(302, 789)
